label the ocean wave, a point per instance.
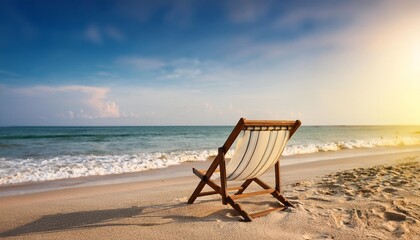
(350, 144)
(68, 166)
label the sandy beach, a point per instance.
(350, 197)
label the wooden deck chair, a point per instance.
(258, 149)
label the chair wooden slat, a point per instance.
(251, 194)
(265, 212)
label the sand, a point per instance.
(354, 197)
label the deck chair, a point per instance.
(258, 149)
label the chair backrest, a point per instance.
(259, 147)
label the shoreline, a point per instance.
(184, 170)
(156, 208)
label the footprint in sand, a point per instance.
(394, 216)
(411, 210)
(389, 226)
(353, 218)
(389, 190)
(378, 210)
(397, 229)
(357, 218)
(337, 219)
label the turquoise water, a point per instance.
(46, 153)
(44, 142)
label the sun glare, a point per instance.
(415, 59)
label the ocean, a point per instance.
(34, 154)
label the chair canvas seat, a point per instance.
(256, 152)
(258, 149)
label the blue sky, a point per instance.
(208, 62)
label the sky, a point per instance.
(123, 62)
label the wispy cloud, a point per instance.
(141, 63)
(295, 17)
(183, 71)
(184, 68)
(96, 34)
(175, 13)
(246, 11)
(93, 34)
(114, 33)
(181, 13)
(184, 74)
(8, 73)
(106, 74)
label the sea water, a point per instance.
(29, 154)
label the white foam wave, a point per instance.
(61, 167)
(66, 166)
(351, 144)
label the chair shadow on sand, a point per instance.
(74, 220)
(135, 216)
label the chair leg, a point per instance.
(239, 209)
(204, 179)
(197, 190)
(277, 176)
(282, 199)
(275, 194)
(223, 182)
(244, 186)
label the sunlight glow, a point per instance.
(415, 60)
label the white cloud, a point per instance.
(97, 34)
(8, 74)
(163, 106)
(180, 73)
(141, 63)
(182, 68)
(185, 62)
(93, 34)
(95, 98)
(294, 17)
(245, 11)
(105, 74)
(70, 99)
(114, 33)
